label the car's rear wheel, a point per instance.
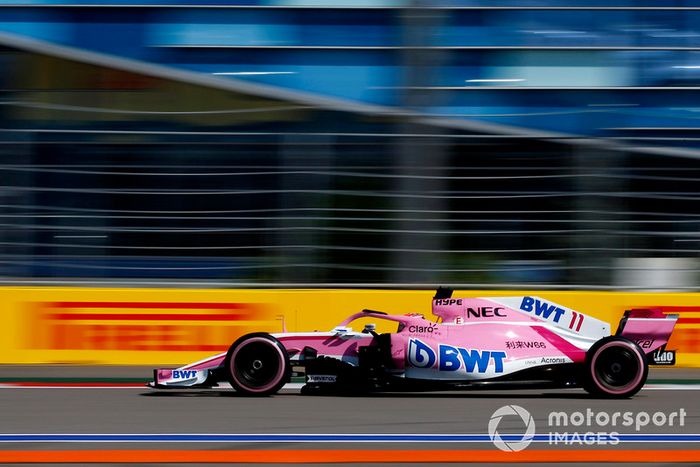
(257, 365)
(615, 367)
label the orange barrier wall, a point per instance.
(174, 326)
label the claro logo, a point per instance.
(422, 329)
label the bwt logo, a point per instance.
(449, 358)
(542, 308)
(184, 374)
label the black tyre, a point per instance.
(257, 365)
(615, 367)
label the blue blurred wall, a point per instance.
(596, 67)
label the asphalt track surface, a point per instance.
(138, 410)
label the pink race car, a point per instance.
(475, 342)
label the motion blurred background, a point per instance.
(538, 143)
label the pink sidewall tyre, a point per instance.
(257, 365)
(615, 367)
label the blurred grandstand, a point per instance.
(374, 143)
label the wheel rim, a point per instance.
(257, 365)
(617, 368)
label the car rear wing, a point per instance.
(648, 327)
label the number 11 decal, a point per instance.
(573, 321)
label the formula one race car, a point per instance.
(475, 342)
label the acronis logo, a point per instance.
(184, 374)
(542, 309)
(450, 358)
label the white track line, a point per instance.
(298, 386)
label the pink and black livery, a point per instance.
(494, 342)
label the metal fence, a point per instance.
(164, 182)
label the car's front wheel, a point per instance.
(615, 367)
(257, 365)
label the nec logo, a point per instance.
(542, 308)
(485, 312)
(449, 358)
(184, 374)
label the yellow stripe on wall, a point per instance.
(176, 326)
